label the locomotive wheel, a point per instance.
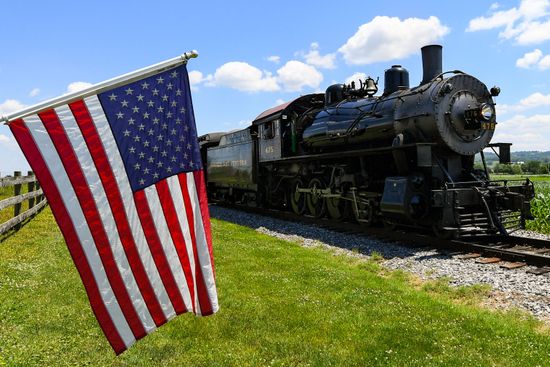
(316, 205)
(297, 200)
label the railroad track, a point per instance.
(510, 251)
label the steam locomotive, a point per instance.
(403, 158)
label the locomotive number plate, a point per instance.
(488, 125)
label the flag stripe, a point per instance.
(91, 214)
(115, 160)
(96, 189)
(159, 255)
(200, 185)
(100, 293)
(203, 249)
(202, 294)
(175, 232)
(95, 146)
(166, 240)
(177, 197)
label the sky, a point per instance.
(254, 55)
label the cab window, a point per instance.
(269, 130)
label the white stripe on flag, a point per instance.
(107, 220)
(70, 201)
(202, 245)
(177, 197)
(117, 165)
(168, 245)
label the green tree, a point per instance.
(516, 169)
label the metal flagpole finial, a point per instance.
(193, 54)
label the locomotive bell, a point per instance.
(371, 88)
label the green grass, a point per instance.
(281, 305)
(6, 192)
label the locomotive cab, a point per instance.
(280, 128)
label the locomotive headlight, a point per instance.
(487, 112)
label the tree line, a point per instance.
(529, 167)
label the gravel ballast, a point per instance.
(510, 288)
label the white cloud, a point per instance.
(544, 63)
(387, 38)
(313, 57)
(34, 92)
(9, 106)
(498, 19)
(534, 100)
(529, 59)
(195, 79)
(525, 132)
(16, 161)
(7, 143)
(295, 75)
(355, 78)
(244, 77)
(279, 102)
(534, 59)
(77, 86)
(527, 24)
(275, 59)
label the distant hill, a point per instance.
(522, 156)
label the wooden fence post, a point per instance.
(40, 197)
(30, 187)
(17, 192)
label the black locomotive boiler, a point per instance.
(405, 157)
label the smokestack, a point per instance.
(431, 62)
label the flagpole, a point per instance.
(101, 87)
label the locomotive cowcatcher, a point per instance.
(405, 157)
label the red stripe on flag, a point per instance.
(36, 161)
(203, 200)
(157, 251)
(99, 156)
(176, 233)
(90, 211)
(204, 299)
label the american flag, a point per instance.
(122, 173)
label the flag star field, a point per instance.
(155, 133)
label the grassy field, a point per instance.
(540, 206)
(281, 305)
(6, 192)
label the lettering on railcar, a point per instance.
(235, 163)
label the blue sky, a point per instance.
(255, 55)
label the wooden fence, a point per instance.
(34, 196)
